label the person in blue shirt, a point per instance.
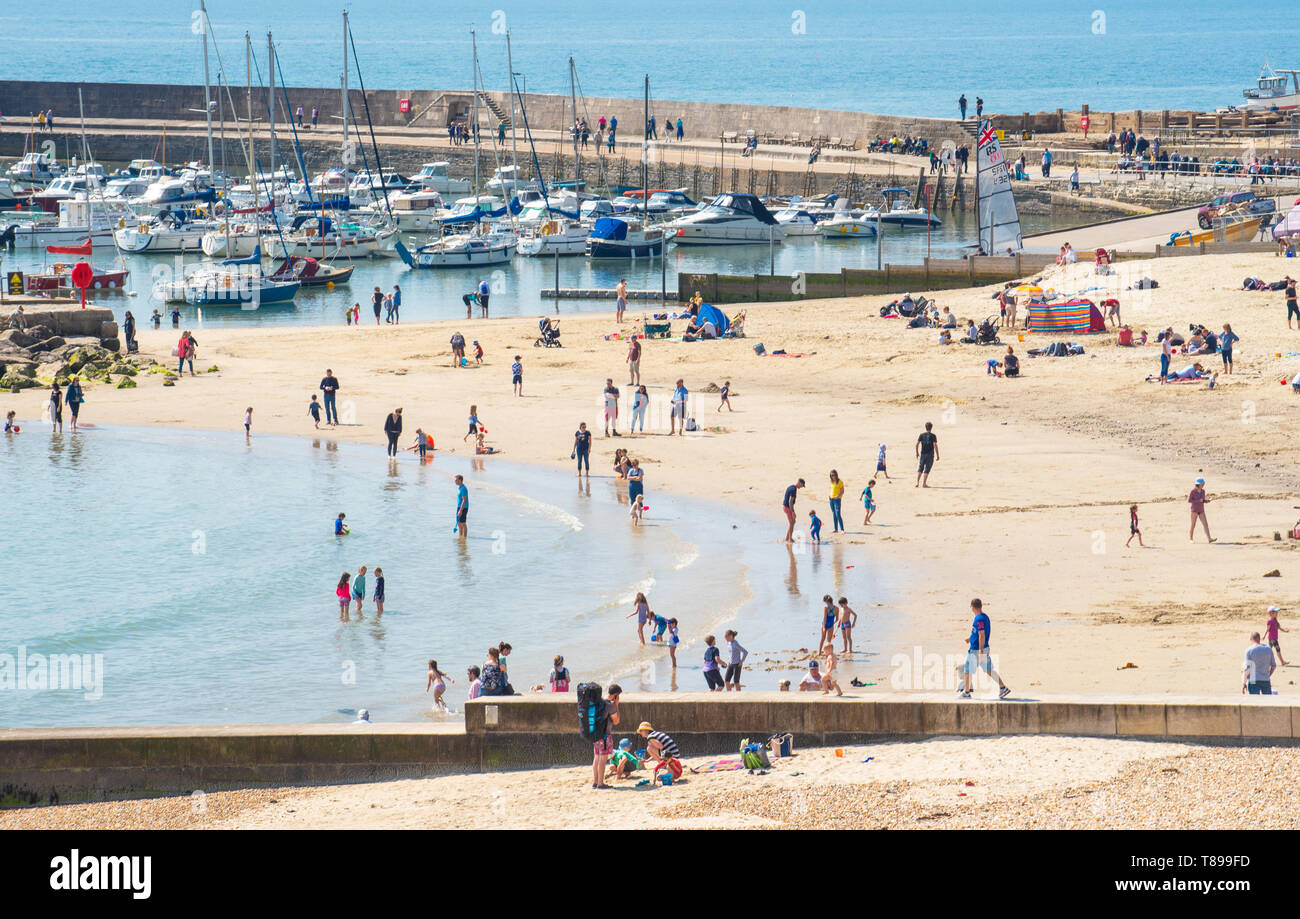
(73, 399)
(814, 527)
(1226, 341)
(341, 528)
(483, 293)
(397, 303)
(462, 507)
(517, 375)
(678, 413)
(978, 654)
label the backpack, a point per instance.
(753, 755)
(593, 721)
(690, 425)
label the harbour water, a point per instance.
(905, 59)
(516, 287)
(201, 571)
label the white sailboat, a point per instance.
(995, 203)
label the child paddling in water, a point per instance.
(344, 594)
(359, 589)
(438, 683)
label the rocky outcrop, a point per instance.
(37, 355)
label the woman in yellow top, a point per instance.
(837, 495)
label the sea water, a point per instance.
(859, 55)
(197, 573)
(516, 286)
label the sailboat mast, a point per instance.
(473, 124)
(346, 97)
(207, 79)
(81, 107)
(645, 152)
(573, 97)
(270, 97)
(252, 151)
(514, 152)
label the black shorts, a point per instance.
(714, 679)
(1292, 309)
(733, 673)
(517, 378)
(461, 515)
(926, 464)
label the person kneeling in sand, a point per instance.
(812, 680)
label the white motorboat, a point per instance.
(795, 221)
(369, 188)
(36, 168)
(846, 223)
(232, 239)
(730, 219)
(414, 208)
(125, 187)
(79, 219)
(505, 182)
(616, 237)
(322, 238)
(461, 251)
(555, 237)
(898, 211)
(433, 176)
(63, 188)
(171, 194)
(1274, 89)
(166, 234)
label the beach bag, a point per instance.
(1277, 285)
(781, 745)
(753, 755)
(690, 424)
(593, 722)
(759, 349)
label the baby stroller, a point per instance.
(906, 307)
(987, 334)
(550, 337)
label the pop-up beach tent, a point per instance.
(1065, 316)
(710, 313)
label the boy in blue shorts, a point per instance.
(660, 626)
(880, 462)
(815, 527)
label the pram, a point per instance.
(988, 332)
(550, 337)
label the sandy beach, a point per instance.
(1028, 504)
(942, 783)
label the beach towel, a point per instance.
(726, 764)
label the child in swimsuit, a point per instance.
(359, 589)
(437, 682)
(848, 619)
(1133, 526)
(1272, 627)
(815, 527)
(673, 641)
(474, 423)
(641, 612)
(379, 591)
(868, 502)
(829, 616)
(344, 594)
(660, 626)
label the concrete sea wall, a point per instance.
(60, 765)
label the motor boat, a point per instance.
(12, 195)
(169, 232)
(125, 187)
(460, 251)
(171, 193)
(413, 208)
(555, 237)
(57, 278)
(846, 223)
(897, 210)
(730, 219)
(795, 221)
(139, 167)
(593, 210)
(505, 182)
(368, 187)
(1273, 90)
(541, 210)
(62, 188)
(616, 237)
(433, 176)
(310, 272)
(80, 219)
(38, 168)
(322, 237)
(673, 203)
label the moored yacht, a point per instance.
(731, 219)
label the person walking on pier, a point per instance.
(315, 115)
(298, 115)
(680, 132)
(979, 107)
(651, 132)
(961, 105)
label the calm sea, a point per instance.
(863, 55)
(199, 573)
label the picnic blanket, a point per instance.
(726, 764)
